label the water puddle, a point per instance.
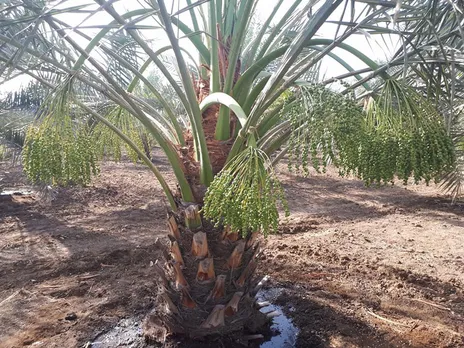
(128, 333)
(285, 331)
(20, 191)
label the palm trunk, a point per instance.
(208, 284)
(207, 281)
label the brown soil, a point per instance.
(360, 267)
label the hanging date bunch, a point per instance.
(398, 134)
(245, 194)
(59, 149)
(326, 129)
(404, 136)
(110, 145)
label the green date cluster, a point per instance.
(109, 144)
(245, 194)
(59, 153)
(326, 129)
(396, 135)
(420, 154)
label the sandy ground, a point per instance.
(360, 267)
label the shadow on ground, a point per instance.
(333, 200)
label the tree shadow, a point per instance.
(338, 308)
(57, 245)
(51, 264)
(337, 200)
(322, 325)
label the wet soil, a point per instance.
(357, 266)
(282, 332)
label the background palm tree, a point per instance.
(227, 107)
(17, 111)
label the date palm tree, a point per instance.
(230, 100)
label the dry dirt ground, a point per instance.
(360, 267)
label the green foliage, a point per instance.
(13, 125)
(4, 153)
(15, 136)
(17, 112)
(57, 152)
(25, 98)
(399, 134)
(244, 195)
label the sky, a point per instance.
(368, 45)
